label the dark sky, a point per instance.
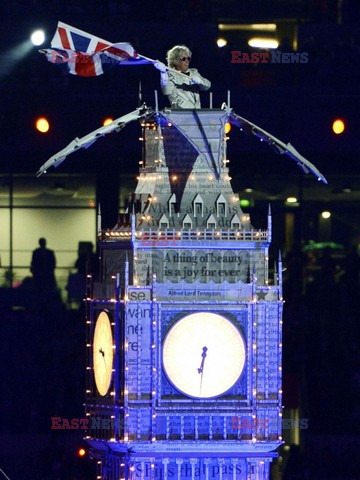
(297, 103)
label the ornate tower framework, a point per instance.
(184, 328)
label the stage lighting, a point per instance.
(221, 42)
(38, 37)
(81, 452)
(325, 214)
(263, 43)
(227, 127)
(42, 125)
(107, 121)
(244, 202)
(338, 126)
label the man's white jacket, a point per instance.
(182, 90)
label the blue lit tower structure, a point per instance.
(184, 328)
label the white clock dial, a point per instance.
(103, 353)
(203, 354)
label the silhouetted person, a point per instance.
(43, 265)
(87, 261)
(293, 468)
(352, 268)
(294, 279)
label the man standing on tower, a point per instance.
(183, 87)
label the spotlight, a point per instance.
(42, 125)
(291, 200)
(244, 202)
(221, 42)
(38, 37)
(325, 214)
(338, 126)
(257, 42)
(81, 452)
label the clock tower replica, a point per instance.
(184, 328)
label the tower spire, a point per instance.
(275, 274)
(280, 273)
(98, 227)
(269, 224)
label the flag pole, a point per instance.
(140, 95)
(167, 68)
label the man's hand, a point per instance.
(160, 66)
(197, 80)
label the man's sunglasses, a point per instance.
(185, 58)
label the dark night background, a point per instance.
(42, 346)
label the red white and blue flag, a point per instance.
(86, 55)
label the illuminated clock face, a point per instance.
(203, 355)
(103, 353)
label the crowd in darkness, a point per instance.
(321, 344)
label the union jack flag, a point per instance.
(85, 54)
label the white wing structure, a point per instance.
(88, 140)
(142, 112)
(276, 144)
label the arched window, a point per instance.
(235, 222)
(221, 206)
(211, 222)
(163, 222)
(172, 204)
(187, 222)
(198, 205)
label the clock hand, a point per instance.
(200, 370)
(103, 357)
